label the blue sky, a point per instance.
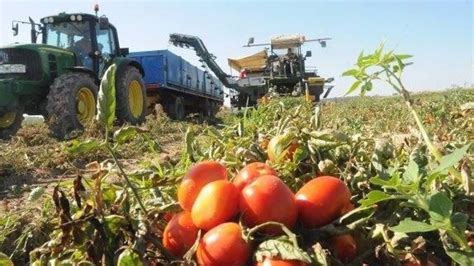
(438, 33)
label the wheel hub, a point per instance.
(85, 105)
(7, 119)
(135, 98)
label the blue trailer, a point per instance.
(177, 85)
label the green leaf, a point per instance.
(393, 182)
(459, 220)
(113, 223)
(463, 257)
(36, 193)
(452, 159)
(125, 133)
(440, 207)
(320, 255)
(281, 247)
(409, 226)
(412, 172)
(86, 146)
(366, 87)
(5, 260)
(129, 258)
(351, 72)
(106, 103)
(354, 87)
(403, 56)
(373, 197)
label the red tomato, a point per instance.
(217, 202)
(344, 247)
(322, 200)
(168, 216)
(268, 199)
(223, 245)
(196, 178)
(279, 262)
(250, 172)
(279, 148)
(180, 234)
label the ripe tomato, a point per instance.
(268, 199)
(180, 234)
(217, 202)
(322, 200)
(223, 245)
(250, 172)
(281, 147)
(344, 247)
(279, 262)
(196, 178)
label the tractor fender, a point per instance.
(82, 69)
(123, 62)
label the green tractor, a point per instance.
(59, 78)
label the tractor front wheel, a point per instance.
(71, 104)
(131, 96)
(10, 122)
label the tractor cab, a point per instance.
(286, 60)
(92, 39)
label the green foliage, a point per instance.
(282, 248)
(106, 103)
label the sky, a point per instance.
(438, 33)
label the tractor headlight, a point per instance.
(72, 17)
(50, 20)
(12, 68)
(79, 17)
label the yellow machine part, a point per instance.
(316, 81)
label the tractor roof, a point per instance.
(287, 41)
(68, 17)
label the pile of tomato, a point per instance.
(220, 207)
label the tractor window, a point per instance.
(66, 34)
(74, 36)
(105, 42)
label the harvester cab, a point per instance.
(284, 69)
(59, 77)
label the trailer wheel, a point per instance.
(10, 122)
(131, 96)
(177, 109)
(71, 103)
(207, 108)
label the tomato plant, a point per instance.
(223, 245)
(268, 199)
(279, 262)
(250, 172)
(196, 178)
(216, 203)
(322, 200)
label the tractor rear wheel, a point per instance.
(10, 122)
(71, 103)
(131, 96)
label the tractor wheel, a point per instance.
(207, 108)
(71, 104)
(10, 123)
(177, 110)
(131, 96)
